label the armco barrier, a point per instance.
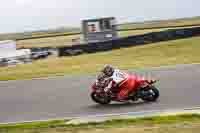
(129, 41)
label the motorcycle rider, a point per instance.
(122, 81)
(101, 81)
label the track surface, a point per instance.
(28, 100)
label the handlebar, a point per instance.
(153, 81)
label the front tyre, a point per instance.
(153, 94)
(100, 99)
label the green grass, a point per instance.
(59, 126)
(183, 51)
(47, 42)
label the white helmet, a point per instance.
(108, 70)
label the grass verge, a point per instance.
(183, 51)
(150, 124)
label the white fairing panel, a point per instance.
(119, 76)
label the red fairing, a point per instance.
(128, 85)
(140, 80)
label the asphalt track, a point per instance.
(39, 99)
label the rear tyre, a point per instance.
(100, 99)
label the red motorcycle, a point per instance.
(147, 92)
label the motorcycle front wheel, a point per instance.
(100, 99)
(153, 94)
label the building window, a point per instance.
(105, 25)
(93, 27)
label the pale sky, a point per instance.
(26, 15)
